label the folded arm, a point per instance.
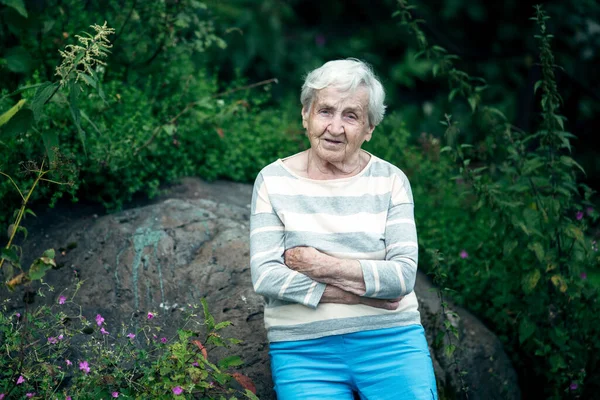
(272, 278)
(391, 278)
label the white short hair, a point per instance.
(346, 75)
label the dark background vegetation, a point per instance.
(171, 56)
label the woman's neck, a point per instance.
(317, 168)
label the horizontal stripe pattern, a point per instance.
(333, 205)
(324, 223)
(355, 244)
(296, 314)
(368, 217)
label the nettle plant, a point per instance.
(527, 270)
(56, 352)
(76, 70)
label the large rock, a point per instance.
(193, 243)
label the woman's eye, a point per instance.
(325, 112)
(351, 116)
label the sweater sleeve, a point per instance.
(270, 276)
(395, 276)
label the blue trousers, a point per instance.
(392, 363)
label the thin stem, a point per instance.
(13, 182)
(265, 82)
(41, 174)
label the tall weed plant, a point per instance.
(522, 252)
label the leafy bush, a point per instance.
(514, 229)
(52, 351)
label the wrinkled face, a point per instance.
(337, 123)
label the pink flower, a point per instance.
(84, 366)
(20, 380)
(115, 394)
(103, 331)
(163, 339)
(463, 254)
(579, 215)
(131, 336)
(195, 364)
(18, 315)
(2, 396)
(573, 386)
(177, 390)
(150, 315)
(62, 299)
(583, 276)
(99, 320)
(68, 398)
(589, 210)
(52, 340)
(60, 337)
(29, 395)
(69, 363)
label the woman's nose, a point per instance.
(337, 126)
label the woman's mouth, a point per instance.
(332, 141)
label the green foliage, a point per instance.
(56, 351)
(522, 247)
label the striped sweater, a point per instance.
(367, 217)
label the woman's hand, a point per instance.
(334, 294)
(343, 273)
(306, 261)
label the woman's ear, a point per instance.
(369, 135)
(304, 114)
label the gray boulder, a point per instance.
(192, 243)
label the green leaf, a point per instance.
(537, 85)
(39, 267)
(10, 255)
(473, 101)
(538, 249)
(509, 246)
(559, 282)
(89, 80)
(18, 60)
(41, 97)
(526, 329)
(24, 230)
(566, 160)
(50, 253)
(4, 118)
(22, 89)
(28, 211)
(530, 281)
(169, 129)
(18, 5)
(50, 139)
(75, 113)
(222, 325)
(19, 123)
(250, 395)
(209, 319)
(449, 350)
(557, 362)
(230, 361)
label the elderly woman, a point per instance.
(334, 252)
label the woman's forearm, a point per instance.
(334, 294)
(342, 273)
